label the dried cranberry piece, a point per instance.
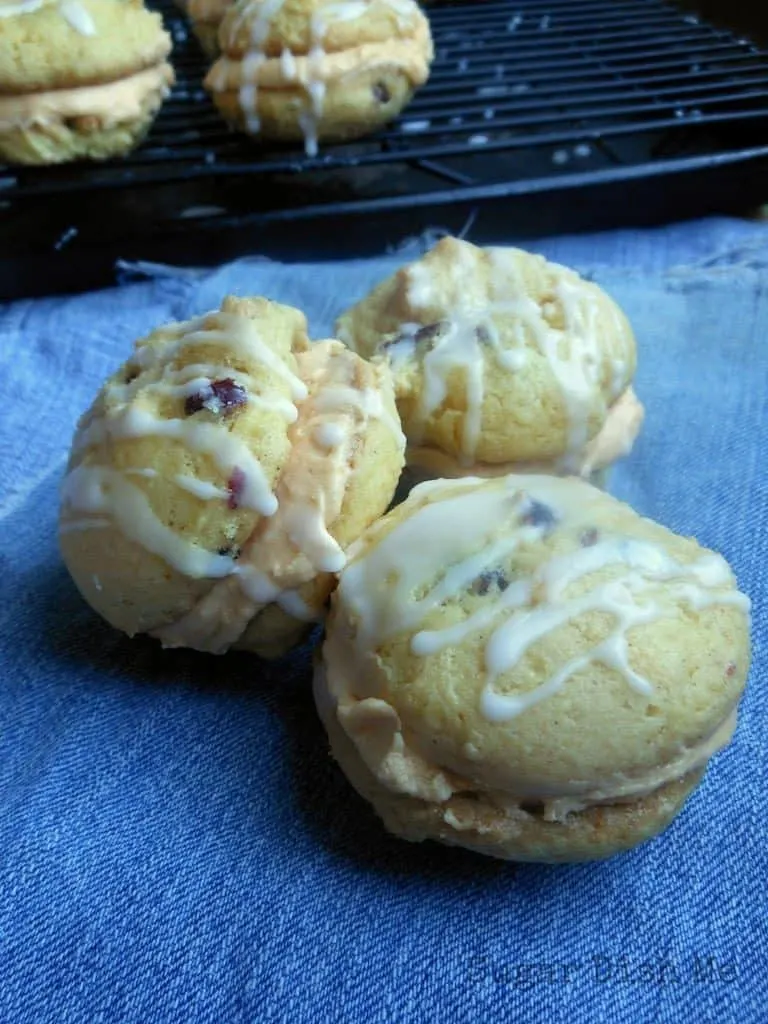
(425, 336)
(495, 578)
(235, 486)
(536, 513)
(220, 397)
(430, 332)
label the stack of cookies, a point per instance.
(514, 661)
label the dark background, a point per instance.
(744, 15)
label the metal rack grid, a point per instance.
(527, 99)
(568, 78)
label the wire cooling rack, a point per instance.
(539, 115)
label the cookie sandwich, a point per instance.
(525, 667)
(503, 362)
(219, 476)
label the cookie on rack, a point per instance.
(318, 70)
(526, 667)
(503, 362)
(219, 476)
(206, 17)
(79, 79)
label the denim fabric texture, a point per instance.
(176, 844)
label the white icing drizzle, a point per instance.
(10, 10)
(310, 118)
(253, 592)
(178, 384)
(622, 598)
(618, 376)
(288, 64)
(238, 335)
(425, 564)
(262, 23)
(338, 406)
(458, 346)
(347, 11)
(573, 354)
(292, 603)
(306, 527)
(578, 372)
(100, 491)
(202, 489)
(249, 91)
(72, 11)
(329, 435)
(78, 17)
(228, 451)
(96, 489)
(366, 401)
(418, 548)
(427, 642)
(576, 364)
(210, 371)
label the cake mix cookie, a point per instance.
(79, 79)
(502, 361)
(206, 17)
(219, 476)
(318, 70)
(526, 667)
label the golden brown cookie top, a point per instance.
(61, 44)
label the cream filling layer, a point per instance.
(111, 102)
(409, 55)
(614, 441)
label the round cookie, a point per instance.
(79, 79)
(526, 667)
(318, 70)
(503, 362)
(206, 17)
(221, 473)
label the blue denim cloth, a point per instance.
(175, 842)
